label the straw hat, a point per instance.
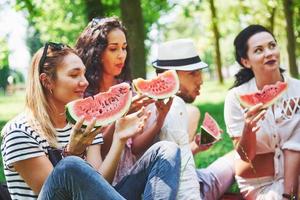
(178, 54)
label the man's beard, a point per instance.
(186, 98)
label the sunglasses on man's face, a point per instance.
(55, 47)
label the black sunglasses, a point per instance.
(54, 46)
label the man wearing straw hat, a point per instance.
(209, 183)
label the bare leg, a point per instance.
(291, 171)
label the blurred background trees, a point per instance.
(213, 25)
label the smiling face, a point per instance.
(113, 57)
(190, 83)
(262, 55)
(70, 82)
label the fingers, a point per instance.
(138, 97)
(253, 110)
(160, 104)
(97, 131)
(141, 112)
(90, 127)
(78, 125)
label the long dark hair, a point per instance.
(241, 49)
(91, 44)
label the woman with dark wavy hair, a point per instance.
(93, 45)
(103, 48)
(267, 140)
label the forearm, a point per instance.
(110, 163)
(246, 146)
(143, 141)
(291, 171)
(108, 139)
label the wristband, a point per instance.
(66, 153)
(289, 196)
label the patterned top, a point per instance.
(281, 127)
(21, 142)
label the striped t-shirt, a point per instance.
(21, 142)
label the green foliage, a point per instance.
(60, 20)
(4, 53)
(10, 106)
(4, 67)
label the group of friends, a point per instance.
(148, 154)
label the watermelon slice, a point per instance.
(163, 86)
(268, 95)
(106, 107)
(210, 131)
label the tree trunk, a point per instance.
(94, 8)
(132, 17)
(288, 11)
(272, 19)
(217, 37)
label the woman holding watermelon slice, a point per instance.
(103, 48)
(267, 139)
(37, 139)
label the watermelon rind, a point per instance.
(245, 104)
(206, 137)
(206, 130)
(154, 96)
(73, 118)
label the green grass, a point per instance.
(9, 107)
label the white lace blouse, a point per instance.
(281, 127)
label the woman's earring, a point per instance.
(50, 90)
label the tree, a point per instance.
(4, 65)
(94, 8)
(132, 17)
(288, 10)
(217, 37)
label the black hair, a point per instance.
(91, 44)
(241, 49)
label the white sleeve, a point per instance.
(293, 142)
(233, 115)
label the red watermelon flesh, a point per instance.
(106, 107)
(268, 95)
(163, 86)
(210, 130)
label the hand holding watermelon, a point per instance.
(196, 145)
(252, 116)
(81, 138)
(130, 125)
(139, 101)
(210, 131)
(162, 109)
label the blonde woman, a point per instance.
(34, 141)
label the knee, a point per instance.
(70, 164)
(168, 150)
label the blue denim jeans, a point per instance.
(73, 178)
(155, 175)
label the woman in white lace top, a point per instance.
(267, 141)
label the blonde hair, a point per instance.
(36, 106)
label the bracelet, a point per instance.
(66, 153)
(289, 196)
